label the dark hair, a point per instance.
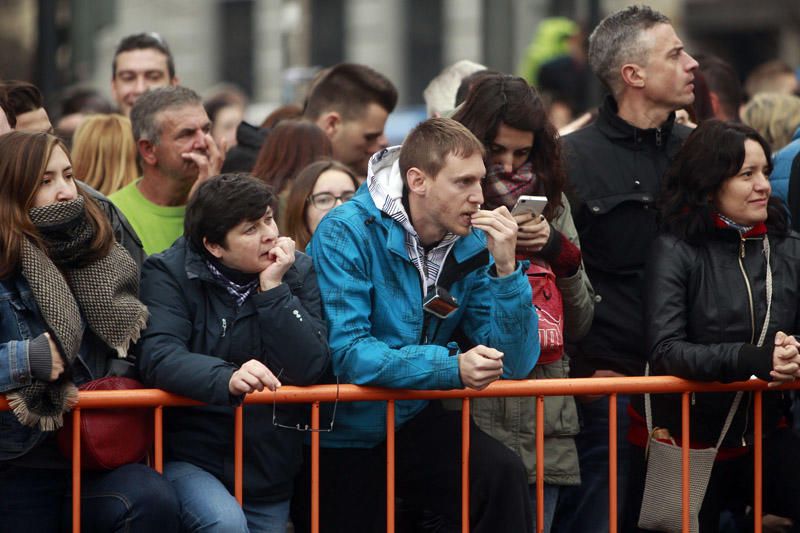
(471, 81)
(10, 114)
(713, 153)
(511, 101)
(701, 109)
(143, 41)
(84, 100)
(227, 95)
(722, 80)
(290, 147)
(220, 204)
(22, 97)
(23, 161)
(347, 88)
(427, 146)
(297, 204)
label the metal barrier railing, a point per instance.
(350, 393)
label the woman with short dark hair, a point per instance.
(722, 289)
(69, 309)
(234, 309)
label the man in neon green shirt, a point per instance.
(171, 130)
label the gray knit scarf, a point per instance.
(68, 288)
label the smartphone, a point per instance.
(530, 204)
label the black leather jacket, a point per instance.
(703, 324)
(614, 172)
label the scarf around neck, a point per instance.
(504, 188)
(69, 287)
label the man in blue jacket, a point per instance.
(401, 268)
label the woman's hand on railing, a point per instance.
(785, 359)
(252, 376)
(480, 366)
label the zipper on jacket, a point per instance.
(658, 136)
(752, 331)
(224, 326)
(749, 293)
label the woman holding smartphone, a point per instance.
(523, 158)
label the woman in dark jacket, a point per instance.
(707, 298)
(233, 309)
(68, 313)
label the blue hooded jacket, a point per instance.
(372, 295)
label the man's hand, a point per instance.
(209, 163)
(785, 359)
(282, 256)
(501, 230)
(534, 231)
(252, 376)
(56, 361)
(480, 366)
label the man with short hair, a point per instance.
(351, 103)
(172, 133)
(141, 62)
(725, 89)
(401, 267)
(615, 166)
(25, 102)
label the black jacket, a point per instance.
(614, 171)
(243, 156)
(197, 337)
(699, 325)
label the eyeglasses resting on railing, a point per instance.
(298, 426)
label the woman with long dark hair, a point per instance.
(722, 293)
(69, 308)
(319, 187)
(523, 158)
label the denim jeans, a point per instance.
(206, 505)
(132, 498)
(585, 507)
(551, 493)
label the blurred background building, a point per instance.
(270, 47)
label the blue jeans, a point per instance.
(132, 498)
(551, 493)
(206, 505)
(585, 507)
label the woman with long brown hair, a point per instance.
(289, 148)
(523, 158)
(319, 187)
(68, 308)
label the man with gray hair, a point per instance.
(615, 167)
(172, 134)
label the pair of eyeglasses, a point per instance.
(303, 427)
(325, 200)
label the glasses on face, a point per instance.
(304, 427)
(325, 200)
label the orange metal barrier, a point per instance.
(350, 393)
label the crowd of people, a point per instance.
(213, 258)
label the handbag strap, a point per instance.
(648, 411)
